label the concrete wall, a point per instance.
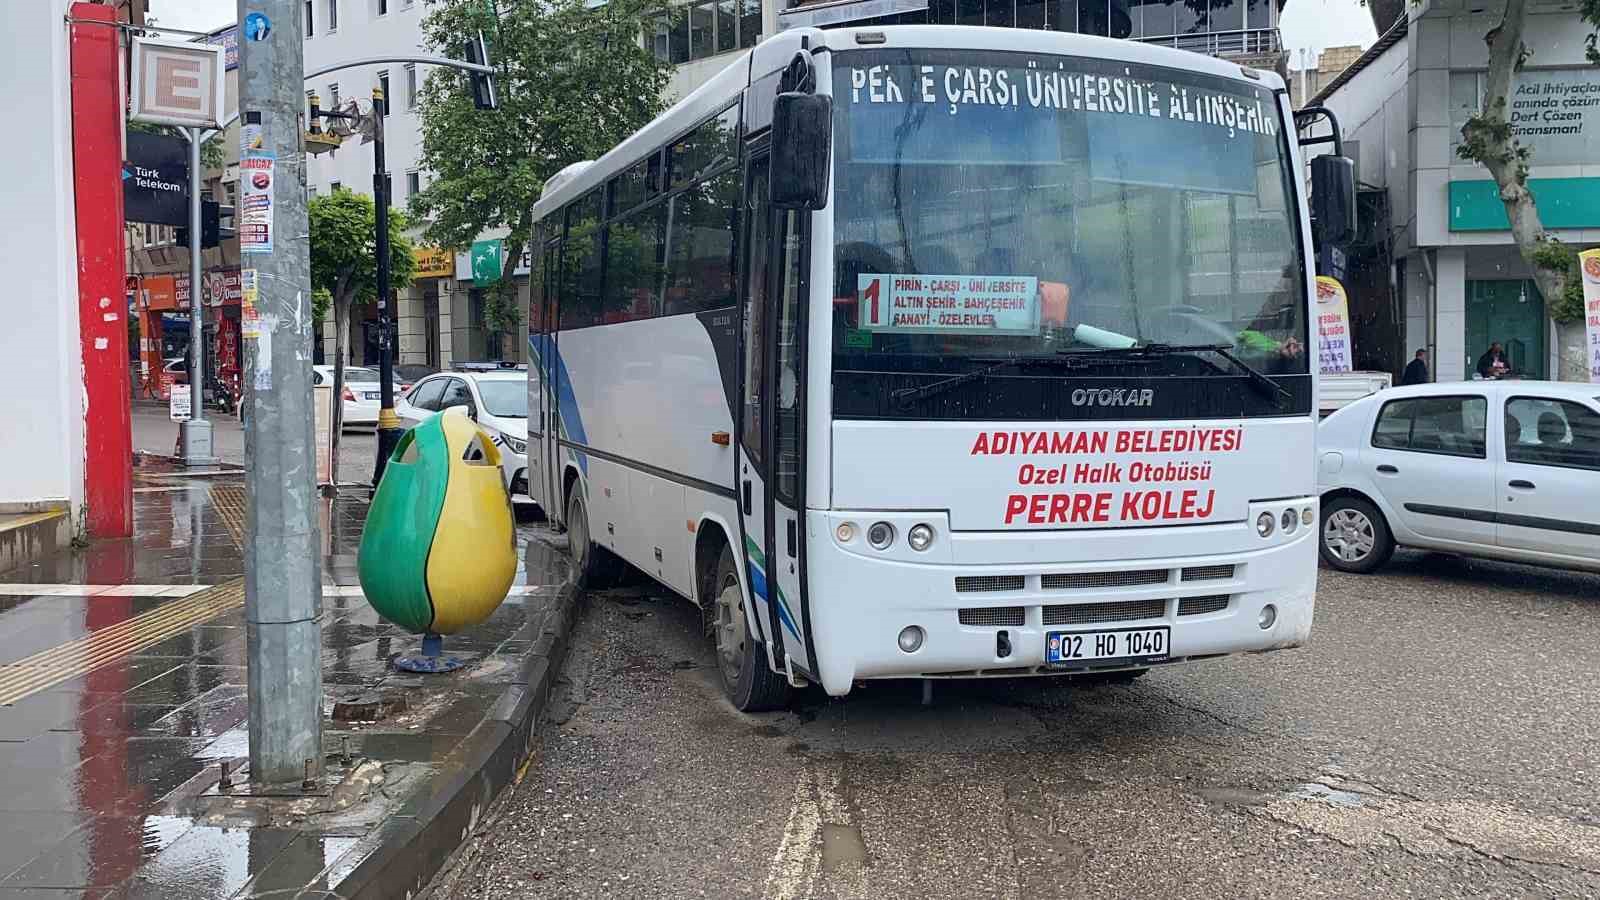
(1372, 112)
(1442, 43)
(41, 448)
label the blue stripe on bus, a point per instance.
(758, 587)
(554, 371)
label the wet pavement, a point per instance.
(122, 694)
(1437, 739)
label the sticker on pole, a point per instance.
(249, 315)
(178, 407)
(949, 304)
(256, 172)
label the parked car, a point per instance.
(495, 398)
(362, 392)
(408, 374)
(1502, 469)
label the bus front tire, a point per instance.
(595, 566)
(749, 682)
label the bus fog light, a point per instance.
(1269, 615)
(846, 532)
(1264, 524)
(1307, 516)
(911, 638)
(1290, 521)
(920, 537)
(880, 535)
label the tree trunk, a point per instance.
(1572, 351)
(1490, 133)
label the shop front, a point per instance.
(162, 303)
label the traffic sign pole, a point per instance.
(196, 431)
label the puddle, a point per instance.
(841, 846)
(1229, 796)
(1333, 796)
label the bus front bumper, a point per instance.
(1213, 602)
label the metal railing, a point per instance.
(1219, 43)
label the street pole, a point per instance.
(388, 422)
(283, 552)
(196, 431)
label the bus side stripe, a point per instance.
(555, 372)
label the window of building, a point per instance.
(705, 29)
(727, 13)
(333, 96)
(749, 23)
(383, 7)
(335, 187)
(383, 85)
(307, 19)
(1548, 432)
(413, 184)
(333, 14)
(411, 87)
(1452, 426)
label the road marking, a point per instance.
(818, 808)
(48, 668)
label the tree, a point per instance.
(573, 82)
(344, 231)
(1489, 139)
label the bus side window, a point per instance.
(755, 307)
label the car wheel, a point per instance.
(750, 683)
(1355, 537)
(596, 566)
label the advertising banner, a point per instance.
(178, 409)
(255, 203)
(949, 304)
(155, 179)
(1333, 327)
(1589, 263)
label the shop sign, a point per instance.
(1333, 327)
(431, 262)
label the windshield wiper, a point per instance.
(1258, 379)
(907, 396)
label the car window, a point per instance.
(354, 374)
(508, 399)
(1453, 426)
(456, 394)
(426, 395)
(1541, 431)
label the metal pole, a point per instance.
(283, 551)
(196, 431)
(388, 422)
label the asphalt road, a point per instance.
(1437, 739)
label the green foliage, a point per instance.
(572, 81)
(321, 302)
(343, 255)
(1561, 259)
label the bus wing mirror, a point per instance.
(802, 130)
(1333, 199)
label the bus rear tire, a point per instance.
(595, 566)
(749, 682)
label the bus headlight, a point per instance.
(880, 535)
(1307, 516)
(1290, 521)
(911, 638)
(920, 537)
(846, 532)
(1264, 524)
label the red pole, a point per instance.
(97, 117)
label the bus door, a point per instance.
(545, 447)
(773, 407)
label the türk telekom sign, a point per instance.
(177, 83)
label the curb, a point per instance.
(424, 833)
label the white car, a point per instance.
(495, 398)
(362, 392)
(1502, 469)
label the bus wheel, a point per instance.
(596, 566)
(749, 682)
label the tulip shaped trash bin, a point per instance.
(438, 553)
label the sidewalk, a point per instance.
(122, 694)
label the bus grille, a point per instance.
(1199, 606)
(977, 584)
(1208, 573)
(1090, 613)
(1079, 580)
(993, 616)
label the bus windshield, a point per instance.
(1051, 215)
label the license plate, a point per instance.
(1133, 644)
(374, 395)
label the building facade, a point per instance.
(1455, 278)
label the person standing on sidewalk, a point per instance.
(1417, 370)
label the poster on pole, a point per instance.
(1333, 327)
(322, 413)
(256, 173)
(178, 406)
(1589, 264)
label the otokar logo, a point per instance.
(1113, 397)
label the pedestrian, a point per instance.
(1417, 370)
(1492, 364)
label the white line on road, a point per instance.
(817, 810)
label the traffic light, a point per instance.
(210, 220)
(483, 93)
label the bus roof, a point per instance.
(774, 53)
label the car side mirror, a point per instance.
(1333, 200)
(802, 132)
